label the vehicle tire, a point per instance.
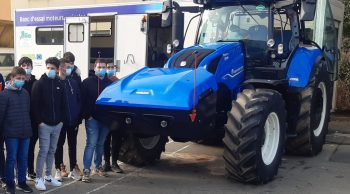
(141, 151)
(255, 136)
(310, 121)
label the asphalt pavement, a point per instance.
(194, 168)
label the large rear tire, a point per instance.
(142, 151)
(255, 136)
(310, 120)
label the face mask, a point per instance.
(68, 71)
(110, 72)
(19, 83)
(51, 74)
(28, 71)
(100, 72)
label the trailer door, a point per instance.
(130, 44)
(77, 41)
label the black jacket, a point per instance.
(75, 76)
(91, 88)
(73, 99)
(14, 114)
(48, 101)
(2, 83)
(28, 85)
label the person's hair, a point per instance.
(63, 61)
(26, 60)
(100, 61)
(54, 61)
(109, 61)
(8, 77)
(17, 71)
(69, 57)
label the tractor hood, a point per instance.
(164, 88)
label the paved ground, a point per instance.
(194, 168)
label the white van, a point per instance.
(111, 31)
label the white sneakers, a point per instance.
(40, 184)
(48, 180)
(58, 175)
(74, 175)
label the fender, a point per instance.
(302, 65)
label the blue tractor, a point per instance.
(254, 79)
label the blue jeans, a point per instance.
(96, 134)
(16, 150)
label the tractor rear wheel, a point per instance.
(310, 120)
(140, 151)
(255, 136)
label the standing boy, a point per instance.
(16, 125)
(27, 64)
(48, 108)
(71, 121)
(96, 131)
(2, 156)
(70, 58)
(115, 136)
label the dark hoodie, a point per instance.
(48, 101)
(75, 76)
(28, 85)
(73, 99)
(2, 83)
(14, 113)
(91, 88)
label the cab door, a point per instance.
(77, 41)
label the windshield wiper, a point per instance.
(244, 9)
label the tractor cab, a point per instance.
(270, 31)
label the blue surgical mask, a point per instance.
(51, 74)
(100, 72)
(19, 83)
(68, 71)
(110, 72)
(28, 71)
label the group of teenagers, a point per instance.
(50, 110)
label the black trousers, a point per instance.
(116, 137)
(31, 150)
(2, 159)
(71, 133)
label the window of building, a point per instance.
(76, 33)
(7, 60)
(49, 36)
(101, 29)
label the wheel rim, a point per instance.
(149, 142)
(319, 128)
(272, 138)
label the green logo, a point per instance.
(25, 35)
(260, 7)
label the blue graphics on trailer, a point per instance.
(55, 17)
(301, 66)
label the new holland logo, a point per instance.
(233, 73)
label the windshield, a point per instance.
(234, 23)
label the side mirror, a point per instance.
(167, 14)
(307, 10)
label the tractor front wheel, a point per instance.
(255, 136)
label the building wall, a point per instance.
(23, 4)
(5, 10)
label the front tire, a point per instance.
(140, 151)
(255, 136)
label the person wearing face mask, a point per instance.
(115, 136)
(16, 129)
(70, 58)
(96, 131)
(71, 121)
(27, 64)
(49, 113)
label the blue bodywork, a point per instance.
(172, 88)
(301, 66)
